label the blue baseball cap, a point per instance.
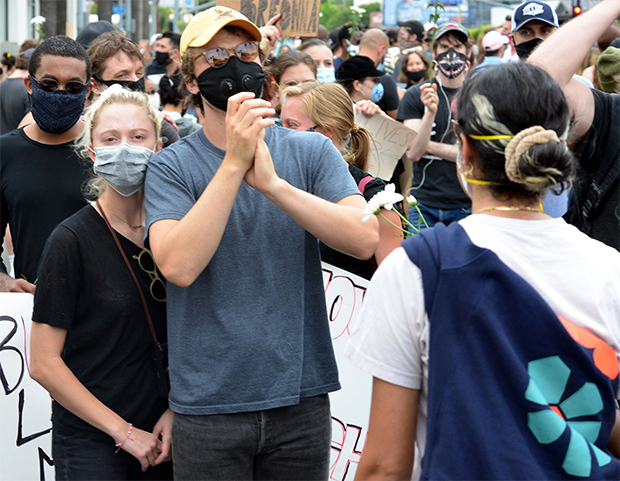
(534, 10)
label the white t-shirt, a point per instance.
(577, 276)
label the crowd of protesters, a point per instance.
(169, 204)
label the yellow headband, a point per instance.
(491, 137)
(480, 182)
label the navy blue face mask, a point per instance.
(58, 111)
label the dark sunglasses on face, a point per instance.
(218, 57)
(147, 264)
(72, 87)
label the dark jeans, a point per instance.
(433, 215)
(88, 456)
(287, 443)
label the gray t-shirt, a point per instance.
(251, 333)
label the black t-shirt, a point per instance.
(40, 186)
(362, 268)
(14, 103)
(435, 183)
(390, 99)
(86, 288)
(598, 152)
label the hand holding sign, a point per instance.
(297, 17)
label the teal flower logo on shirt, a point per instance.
(548, 379)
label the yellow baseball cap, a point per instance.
(205, 25)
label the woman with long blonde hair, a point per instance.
(328, 110)
(99, 310)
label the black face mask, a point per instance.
(451, 63)
(217, 85)
(136, 86)
(416, 76)
(525, 49)
(162, 57)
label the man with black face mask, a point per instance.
(41, 176)
(166, 53)
(532, 22)
(234, 212)
(427, 109)
(117, 60)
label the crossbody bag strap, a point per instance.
(118, 244)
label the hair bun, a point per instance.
(538, 160)
(520, 144)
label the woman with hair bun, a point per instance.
(494, 342)
(328, 110)
(173, 105)
(99, 310)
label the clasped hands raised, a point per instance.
(246, 120)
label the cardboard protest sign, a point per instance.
(25, 438)
(299, 17)
(391, 138)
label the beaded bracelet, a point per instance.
(120, 445)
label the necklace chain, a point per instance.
(133, 226)
(510, 208)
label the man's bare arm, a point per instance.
(562, 53)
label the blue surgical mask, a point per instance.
(122, 166)
(325, 75)
(377, 92)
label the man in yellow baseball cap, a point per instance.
(234, 213)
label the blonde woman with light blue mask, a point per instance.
(99, 310)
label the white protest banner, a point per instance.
(344, 293)
(25, 407)
(299, 17)
(391, 138)
(25, 426)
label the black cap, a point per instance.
(414, 27)
(87, 36)
(452, 27)
(357, 68)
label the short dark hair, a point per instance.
(59, 46)
(455, 37)
(487, 105)
(175, 39)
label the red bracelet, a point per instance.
(120, 445)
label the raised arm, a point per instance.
(562, 53)
(183, 248)
(423, 126)
(339, 225)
